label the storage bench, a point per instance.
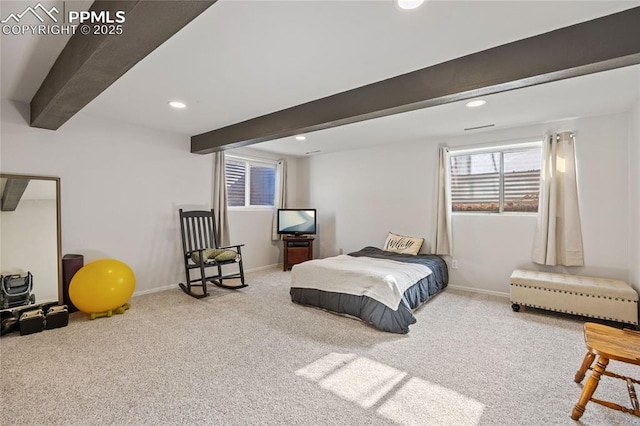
(602, 298)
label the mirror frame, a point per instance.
(58, 231)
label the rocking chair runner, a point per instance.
(200, 245)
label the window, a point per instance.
(250, 183)
(496, 180)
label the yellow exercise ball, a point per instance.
(102, 286)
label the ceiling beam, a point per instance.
(13, 190)
(598, 45)
(90, 63)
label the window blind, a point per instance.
(500, 181)
(262, 185)
(249, 183)
(236, 182)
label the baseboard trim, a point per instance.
(172, 286)
(155, 290)
(479, 290)
(262, 268)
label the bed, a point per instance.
(344, 284)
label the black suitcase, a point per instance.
(56, 317)
(31, 322)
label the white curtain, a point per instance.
(220, 198)
(443, 243)
(280, 196)
(558, 238)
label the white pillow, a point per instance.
(401, 244)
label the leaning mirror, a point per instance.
(30, 261)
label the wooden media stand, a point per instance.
(297, 249)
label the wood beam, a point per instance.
(13, 190)
(598, 45)
(90, 63)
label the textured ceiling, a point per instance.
(242, 59)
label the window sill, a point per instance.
(251, 209)
(521, 214)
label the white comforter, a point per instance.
(380, 279)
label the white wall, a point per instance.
(361, 195)
(634, 194)
(29, 243)
(299, 196)
(391, 188)
(121, 188)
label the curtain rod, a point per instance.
(508, 144)
(572, 134)
(251, 158)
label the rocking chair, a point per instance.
(201, 252)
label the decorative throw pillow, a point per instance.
(226, 255)
(195, 256)
(219, 255)
(401, 244)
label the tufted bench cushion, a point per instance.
(588, 296)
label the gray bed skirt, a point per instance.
(372, 311)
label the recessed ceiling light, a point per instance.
(301, 138)
(409, 4)
(476, 103)
(176, 104)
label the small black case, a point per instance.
(31, 322)
(56, 317)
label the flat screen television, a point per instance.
(296, 221)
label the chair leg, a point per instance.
(586, 363)
(220, 280)
(632, 396)
(188, 277)
(187, 287)
(240, 274)
(203, 279)
(589, 387)
(241, 271)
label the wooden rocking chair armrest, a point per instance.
(189, 253)
(231, 246)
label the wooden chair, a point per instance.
(198, 239)
(607, 343)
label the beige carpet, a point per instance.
(253, 357)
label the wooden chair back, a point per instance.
(198, 230)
